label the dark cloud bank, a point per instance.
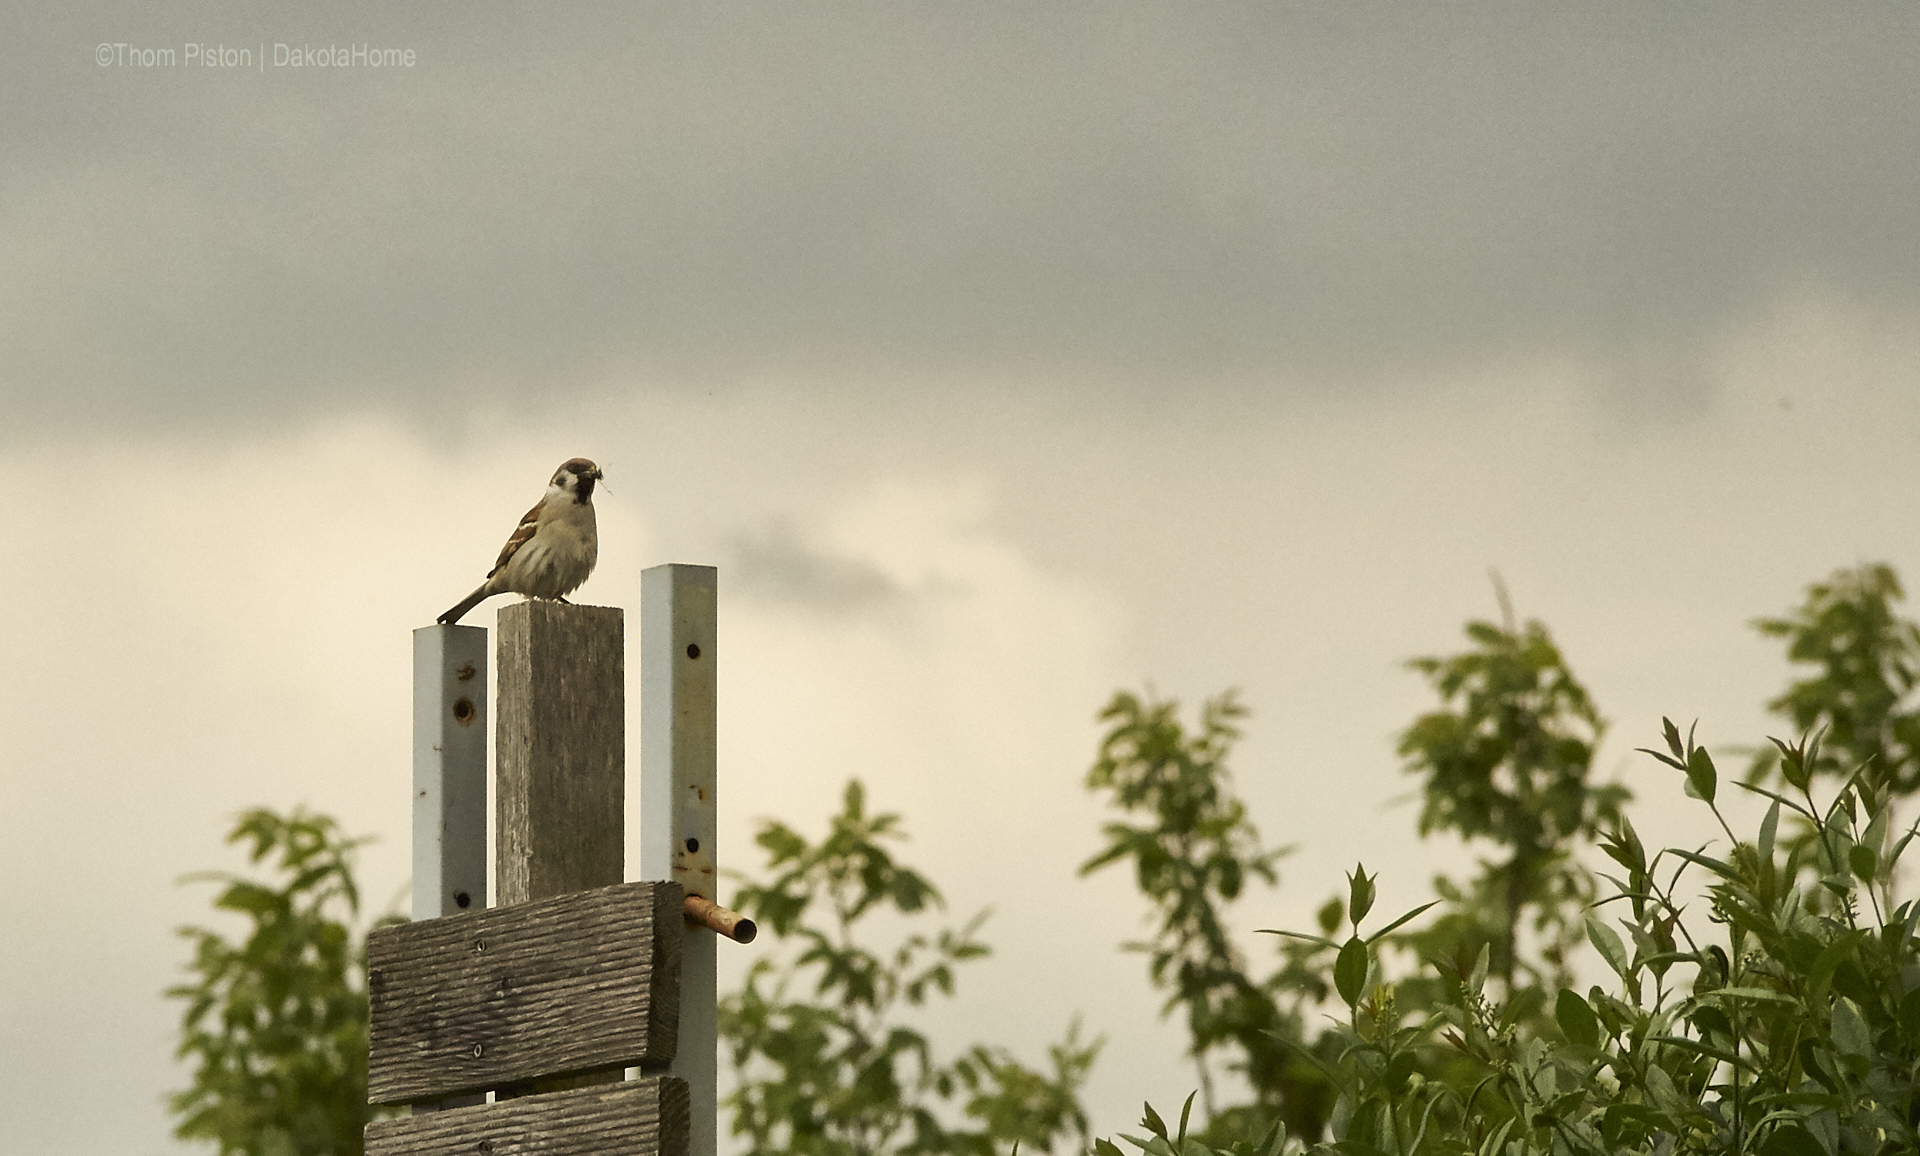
(1136, 194)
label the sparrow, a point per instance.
(553, 549)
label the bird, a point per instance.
(553, 549)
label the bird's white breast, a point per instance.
(559, 556)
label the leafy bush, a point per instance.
(1781, 1016)
(276, 1024)
(830, 1069)
(1763, 998)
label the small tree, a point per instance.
(1506, 760)
(1193, 855)
(276, 1024)
(832, 1070)
(1862, 697)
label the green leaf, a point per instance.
(1396, 924)
(1350, 971)
(1746, 993)
(1576, 1019)
(1791, 1139)
(1832, 956)
(1607, 942)
(1662, 1091)
(1300, 935)
(1862, 859)
(1151, 1121)
(1360, 890)
(1495, 1141)
(1673, 737)
(1701, 779)
(1769, 828)
(1850, 1033)
(1910, 1015)
(1477, 980)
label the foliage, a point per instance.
(832, 1070)
(276, 1024)
(1506, 760)
(1868, 659)
(1162, 1141)
(1797, 1033)
(1194, 854)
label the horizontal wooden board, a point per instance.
(645, 1117)
(470, 1002)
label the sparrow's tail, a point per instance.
(465, 604)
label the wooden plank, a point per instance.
(646, 1117)
(576, 984)
(679, 800)
(560, 768)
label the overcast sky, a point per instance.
(1000, 356)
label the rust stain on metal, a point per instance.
(465, 673)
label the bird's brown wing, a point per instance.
(521, 533)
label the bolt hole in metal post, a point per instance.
(463, 712)
(693, 650)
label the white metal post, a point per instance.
(449, 780)
(449, 770)
(677, 802)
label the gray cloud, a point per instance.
(700, 193)
(776, 563)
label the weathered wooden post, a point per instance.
(561, 755)
(678, 788)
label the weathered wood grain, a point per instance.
(490, 999)
(646, 1117)
(560, 766)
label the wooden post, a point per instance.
(560, 763)
(560, 766)
(678, 651)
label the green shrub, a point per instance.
(1763, 1000)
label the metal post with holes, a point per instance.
(449, 770)
(677, 804)
(449, 780)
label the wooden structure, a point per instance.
(548, 999)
